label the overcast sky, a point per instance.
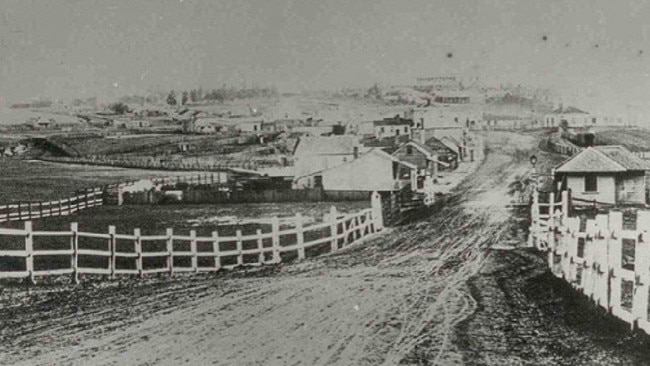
(595, 52)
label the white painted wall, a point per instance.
(606, 188)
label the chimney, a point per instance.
(422, 139)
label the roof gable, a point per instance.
(602, 159)
(435, 142)
(420, 147)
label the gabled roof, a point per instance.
(568, 110)
(603, 159)
(330, 145)
(434, 141)
(419, 146)
(378, 152)
(426, 150)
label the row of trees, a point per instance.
(218, 95)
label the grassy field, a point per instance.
(632, 139)
(23, 180)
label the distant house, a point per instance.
(446, 152)
(422, 157)
(446, 118)
(249, 126)
(389, 127)
(569, 116)
(318, 153)
(606, 174)
(374, 170)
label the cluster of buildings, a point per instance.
(411, 156)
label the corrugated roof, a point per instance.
(603, 159)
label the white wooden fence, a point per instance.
(62, 207)
(605, 261)
(334, 232)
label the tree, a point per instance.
(194, 95)
(171, 98)
(184, 98)
(119, 108)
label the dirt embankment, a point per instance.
(406, 297)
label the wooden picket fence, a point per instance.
(36, 210)
(601, 258)
(112, 250)
(92, 197)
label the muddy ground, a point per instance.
(427, 292)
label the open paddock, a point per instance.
(24, 180)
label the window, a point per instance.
(409, 150)
(254, 127)
(381, 130)
(406, 129)
(593, 120)
(591, 183)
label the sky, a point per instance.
(596, 54)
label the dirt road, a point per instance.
(401, 298)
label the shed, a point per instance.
(605, 174)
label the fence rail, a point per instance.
(602, 259)
(92, 197)
(62, 207)
(115, 254)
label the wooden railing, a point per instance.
(62, 207)
(115, 254)
(601, 259)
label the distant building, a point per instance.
(423, 158)
(249, 126)
(394, 126)
(605, 174)
(445, 118)
(374, 170)
(570, 117)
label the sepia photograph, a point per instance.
(324, 182)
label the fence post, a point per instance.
(641, 268)
(74, 245)
(87, 205)
(275, 227)
(170, 251)
(260, 246)
(29, 248)
(300, 237)
(375, 204)
(215, 250)
(113, 248)
(240, 256)
(334, 229)
(138, 250)
(565, 203)
(195, 265)
(614, 259)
